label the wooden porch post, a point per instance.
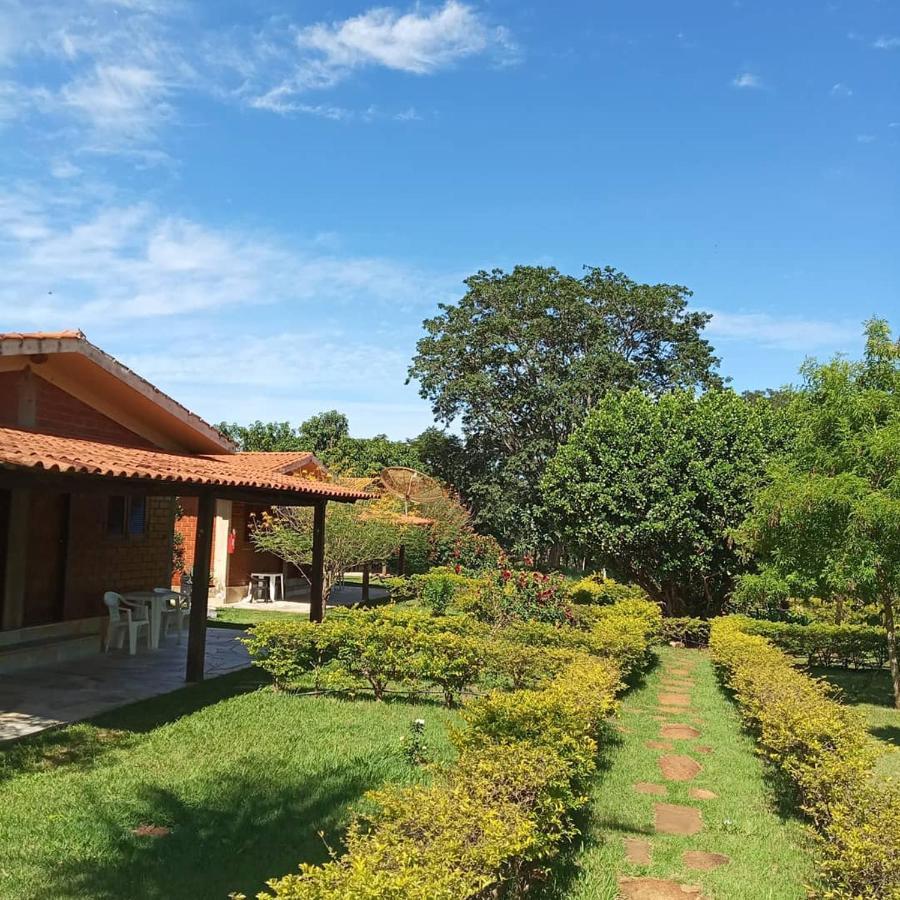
(365, 583)
(196, 651)
(317, 576)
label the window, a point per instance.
(126, 516)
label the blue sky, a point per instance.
(256, 204)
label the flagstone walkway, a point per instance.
(684, 810)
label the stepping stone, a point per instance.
(669, 818)
(678, 732)
(679, 768)
(703, 861)
(702, 748)
(701, 794)
(659, 745)
(637, 851)
(648, 787)
(674, 700)
(150, 831)
(655, 889)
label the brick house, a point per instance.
(234, 556)
(92, 459)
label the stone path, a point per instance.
(679, 729)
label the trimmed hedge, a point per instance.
(602, 591)
(398, 649)
(822, 751)
(850, 646)
(492, 821)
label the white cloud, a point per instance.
(73, 258)
(865, 139)
(128, 101)
(887, 42)
(413, 42)
(418, 42)
(747, 80)
(783, 332)
(841, 90)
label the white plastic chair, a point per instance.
(176, 614)
(124, 616)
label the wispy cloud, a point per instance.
(67, 258)
(865, 139)
(747, 80)
(887, 42)
(418, 42)
(841, 90)
(783, 332)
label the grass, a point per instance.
(870, 692)
(244, 777)
(770, 859)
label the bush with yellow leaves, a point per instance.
(823, 751)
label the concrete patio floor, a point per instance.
(35, 699)
(298, 602)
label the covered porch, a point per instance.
(37, 465)
(40, 698)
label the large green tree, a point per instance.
(323, 431)
(653, 486)
(828, 524)
(522, 357)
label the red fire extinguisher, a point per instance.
(232, 537)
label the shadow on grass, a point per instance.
(84, 745)
(246, 830)
(871, 686)
(890, 734)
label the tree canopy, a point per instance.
(654, 485)
(523, 356)
(828, 523)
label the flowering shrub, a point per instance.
(508, 595)
(823, 751)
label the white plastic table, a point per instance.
(157, 603)
(273, 577)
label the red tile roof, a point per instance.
(42, 335)
(285, 462)
(20, 449)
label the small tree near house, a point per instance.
(355, 534)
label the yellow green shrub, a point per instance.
(822, 749)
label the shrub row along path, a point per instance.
(684, 811)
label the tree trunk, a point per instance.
(839, 610)
(890, 628)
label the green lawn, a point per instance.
(870, 692)
(245, 779)
(770, 859)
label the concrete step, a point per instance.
(47, 652)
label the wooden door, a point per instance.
(48, 541)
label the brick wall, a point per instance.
(98, 562)
(59, 412)
(9, 403)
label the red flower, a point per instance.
(506, 574)
(457, 568)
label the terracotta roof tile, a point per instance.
(42, 335)
(270, 461)
(20, 449)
